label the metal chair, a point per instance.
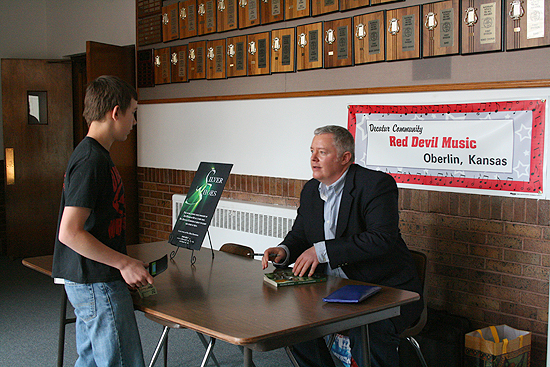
(421, 262)
(236, 249)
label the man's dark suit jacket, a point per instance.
(368, 244)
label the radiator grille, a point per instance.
(256, 225)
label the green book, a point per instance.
(284, 277)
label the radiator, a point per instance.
(258, 226)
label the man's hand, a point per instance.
(275, 254)
(307, 260)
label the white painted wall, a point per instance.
(268, 137)
(52, 29)
(70, 23)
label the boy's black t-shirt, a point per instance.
(92, 181)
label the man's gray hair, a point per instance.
(342, 138)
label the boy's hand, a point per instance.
(135, 273)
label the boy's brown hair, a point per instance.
(105, 93)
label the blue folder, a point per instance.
(352, 293)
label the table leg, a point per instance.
(162, 343)
(209, 350)
(247, 357)
(62, 323)
(365, 345)
(209, 347)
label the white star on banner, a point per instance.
(523, 132)
(364, 159)
(524, 167)
(362, 127)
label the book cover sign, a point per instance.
(199, 205)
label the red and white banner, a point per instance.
(493, 146)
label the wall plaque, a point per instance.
(236, 56)
(196, 63)
(440, 28)
(378, 2)
(309, 46)
(338, 38)
(178, 63)
(283, 46)
(353, 4)
(249, 13)
(161, 64)
(188, 18)
(149, 30)
(272, 11)
(206, 17)
(215, 59)
(227, 15)
(319, 7)
(170, 25)
(527, 24)
(403, 33)
(147, 8)
(295, 9)
(258, 48)
(145, 68)
(481, 26)
(369, 37)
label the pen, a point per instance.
(270, 255)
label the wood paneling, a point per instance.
(41, 152)
(104, 59)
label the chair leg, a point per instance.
(331, 339)
(416, 347)
(161, 342)
(291, 357)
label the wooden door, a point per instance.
(104, 59)
(40, 151)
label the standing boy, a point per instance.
(90, 248)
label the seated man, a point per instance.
(348, 224)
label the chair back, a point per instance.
(421, 263)
(236, 249)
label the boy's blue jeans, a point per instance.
(106, 328)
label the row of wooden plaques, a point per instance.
(192, 18)
(381, 36)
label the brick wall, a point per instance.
(156, 187)
(489, 256)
